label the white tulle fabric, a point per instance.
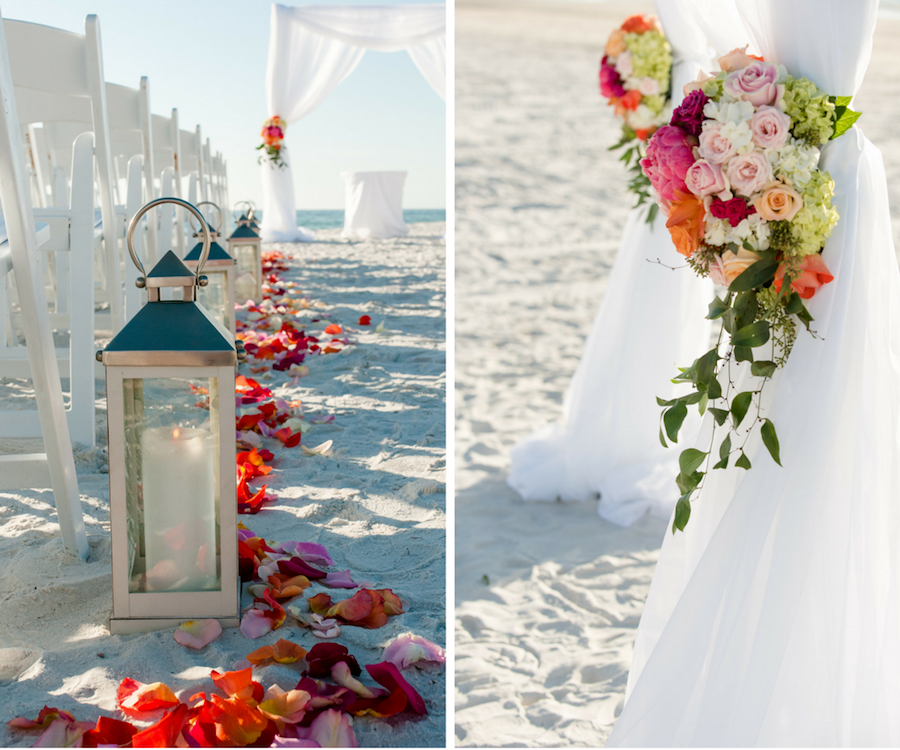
(312, 49)
(650, 320)
(773, 620)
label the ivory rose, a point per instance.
(616, 44)
(756, 83)
(734, 265)
(748, 173)
(778, 202)
(813, 274)
(770, 127)
(704, 178)
(685, 223)
(715, 147)
(737, 59)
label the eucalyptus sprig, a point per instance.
(750, 326)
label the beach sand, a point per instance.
(549, 595)
(377, 503)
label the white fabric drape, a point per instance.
(312, 49)
(774, 620)
(373, 207)
(649, 321)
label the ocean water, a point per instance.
(334, 218)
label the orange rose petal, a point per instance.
(284, 707)
(237, 724)
(283, 652)
(135, 697)
(238, 684)
(333, 329)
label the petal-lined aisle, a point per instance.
(350, 447)
(548, 595)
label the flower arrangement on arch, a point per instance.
(635, 78)
(736, 172)
(273, 137)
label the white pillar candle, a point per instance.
(245, 287)
(179, 509)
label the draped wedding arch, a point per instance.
(312, 49)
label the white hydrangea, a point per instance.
(716, 231)
(753, 230)
(739, 134)
(642, 118)
(794, 162)
(728, 110)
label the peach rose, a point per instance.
(616, 44)
(778, 202)
(737, 59)
(813, 274)
(734, 265)
(685, 222)
(694, 85)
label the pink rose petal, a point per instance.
(339, 580)
(198, 633)
(409, 648)
(332, 729)
(255, 624)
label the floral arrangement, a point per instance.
(736, 173)
(635, 78)
(273, 135)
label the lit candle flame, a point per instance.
(175, 433)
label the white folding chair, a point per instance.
(20, 256)
(167, 152)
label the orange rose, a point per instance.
(616, 44)
(637, 24)
(813, 274)
(734, 265)
(685, 223)
(778, 202)
(643, 134)
(631, 99)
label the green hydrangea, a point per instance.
(713, 87)
(651, 56)
(816, 220)
(810, 111)
(656, 104)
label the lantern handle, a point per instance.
(207, 239)
(250, 210)
(221, 216)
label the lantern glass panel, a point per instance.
(171, 483)
(213, 296)
(245, 284)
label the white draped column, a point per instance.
(312, 49)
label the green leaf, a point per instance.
(725, 447)
(745, 309)
(844, 118)
(690, 460)
(701, 404)
(652, 212)
(755, 334)
(706, 366)
(713, 389)
(743, 354)
(796, 307)
(740, 405)
(728, 320)
(717, 308)
(763, 368)
(743, 462)
(692, 398)
(682, 514)
(723, 464)
(720, 415)
(688, 482)
(770, 440)
(662, 438)
(755, 276)
(673, 419)
(661, 402)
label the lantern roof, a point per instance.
(216, 253)
(244, 231)
(170, 271)
(172, 333)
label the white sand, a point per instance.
(377, 504)
(544, 643)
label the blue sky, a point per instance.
(208, 59)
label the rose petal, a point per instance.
(332, 729)
(164, 732)
(408, 648)
(320, 450)
(339, 580)
(135, 697)
(198, 633)
(340, 673)
(283, 652)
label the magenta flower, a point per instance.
(610, 82)
(689, 116)
(669, 157)
(735, 210)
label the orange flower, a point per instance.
(813, 274)
(685, 223)
(283, 652)
(636, 24)
(631, 100)
(642, 134)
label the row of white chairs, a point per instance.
(78, 158)
(96, 153)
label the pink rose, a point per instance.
(770, 126)
(748, 173)
(704, 178)
(757, 84)
(715, 147)
(648, 86)
(670, 154)
(717, 271)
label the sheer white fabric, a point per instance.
(312, 49)
(773, 620)
(373, 206)
(650, 320)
